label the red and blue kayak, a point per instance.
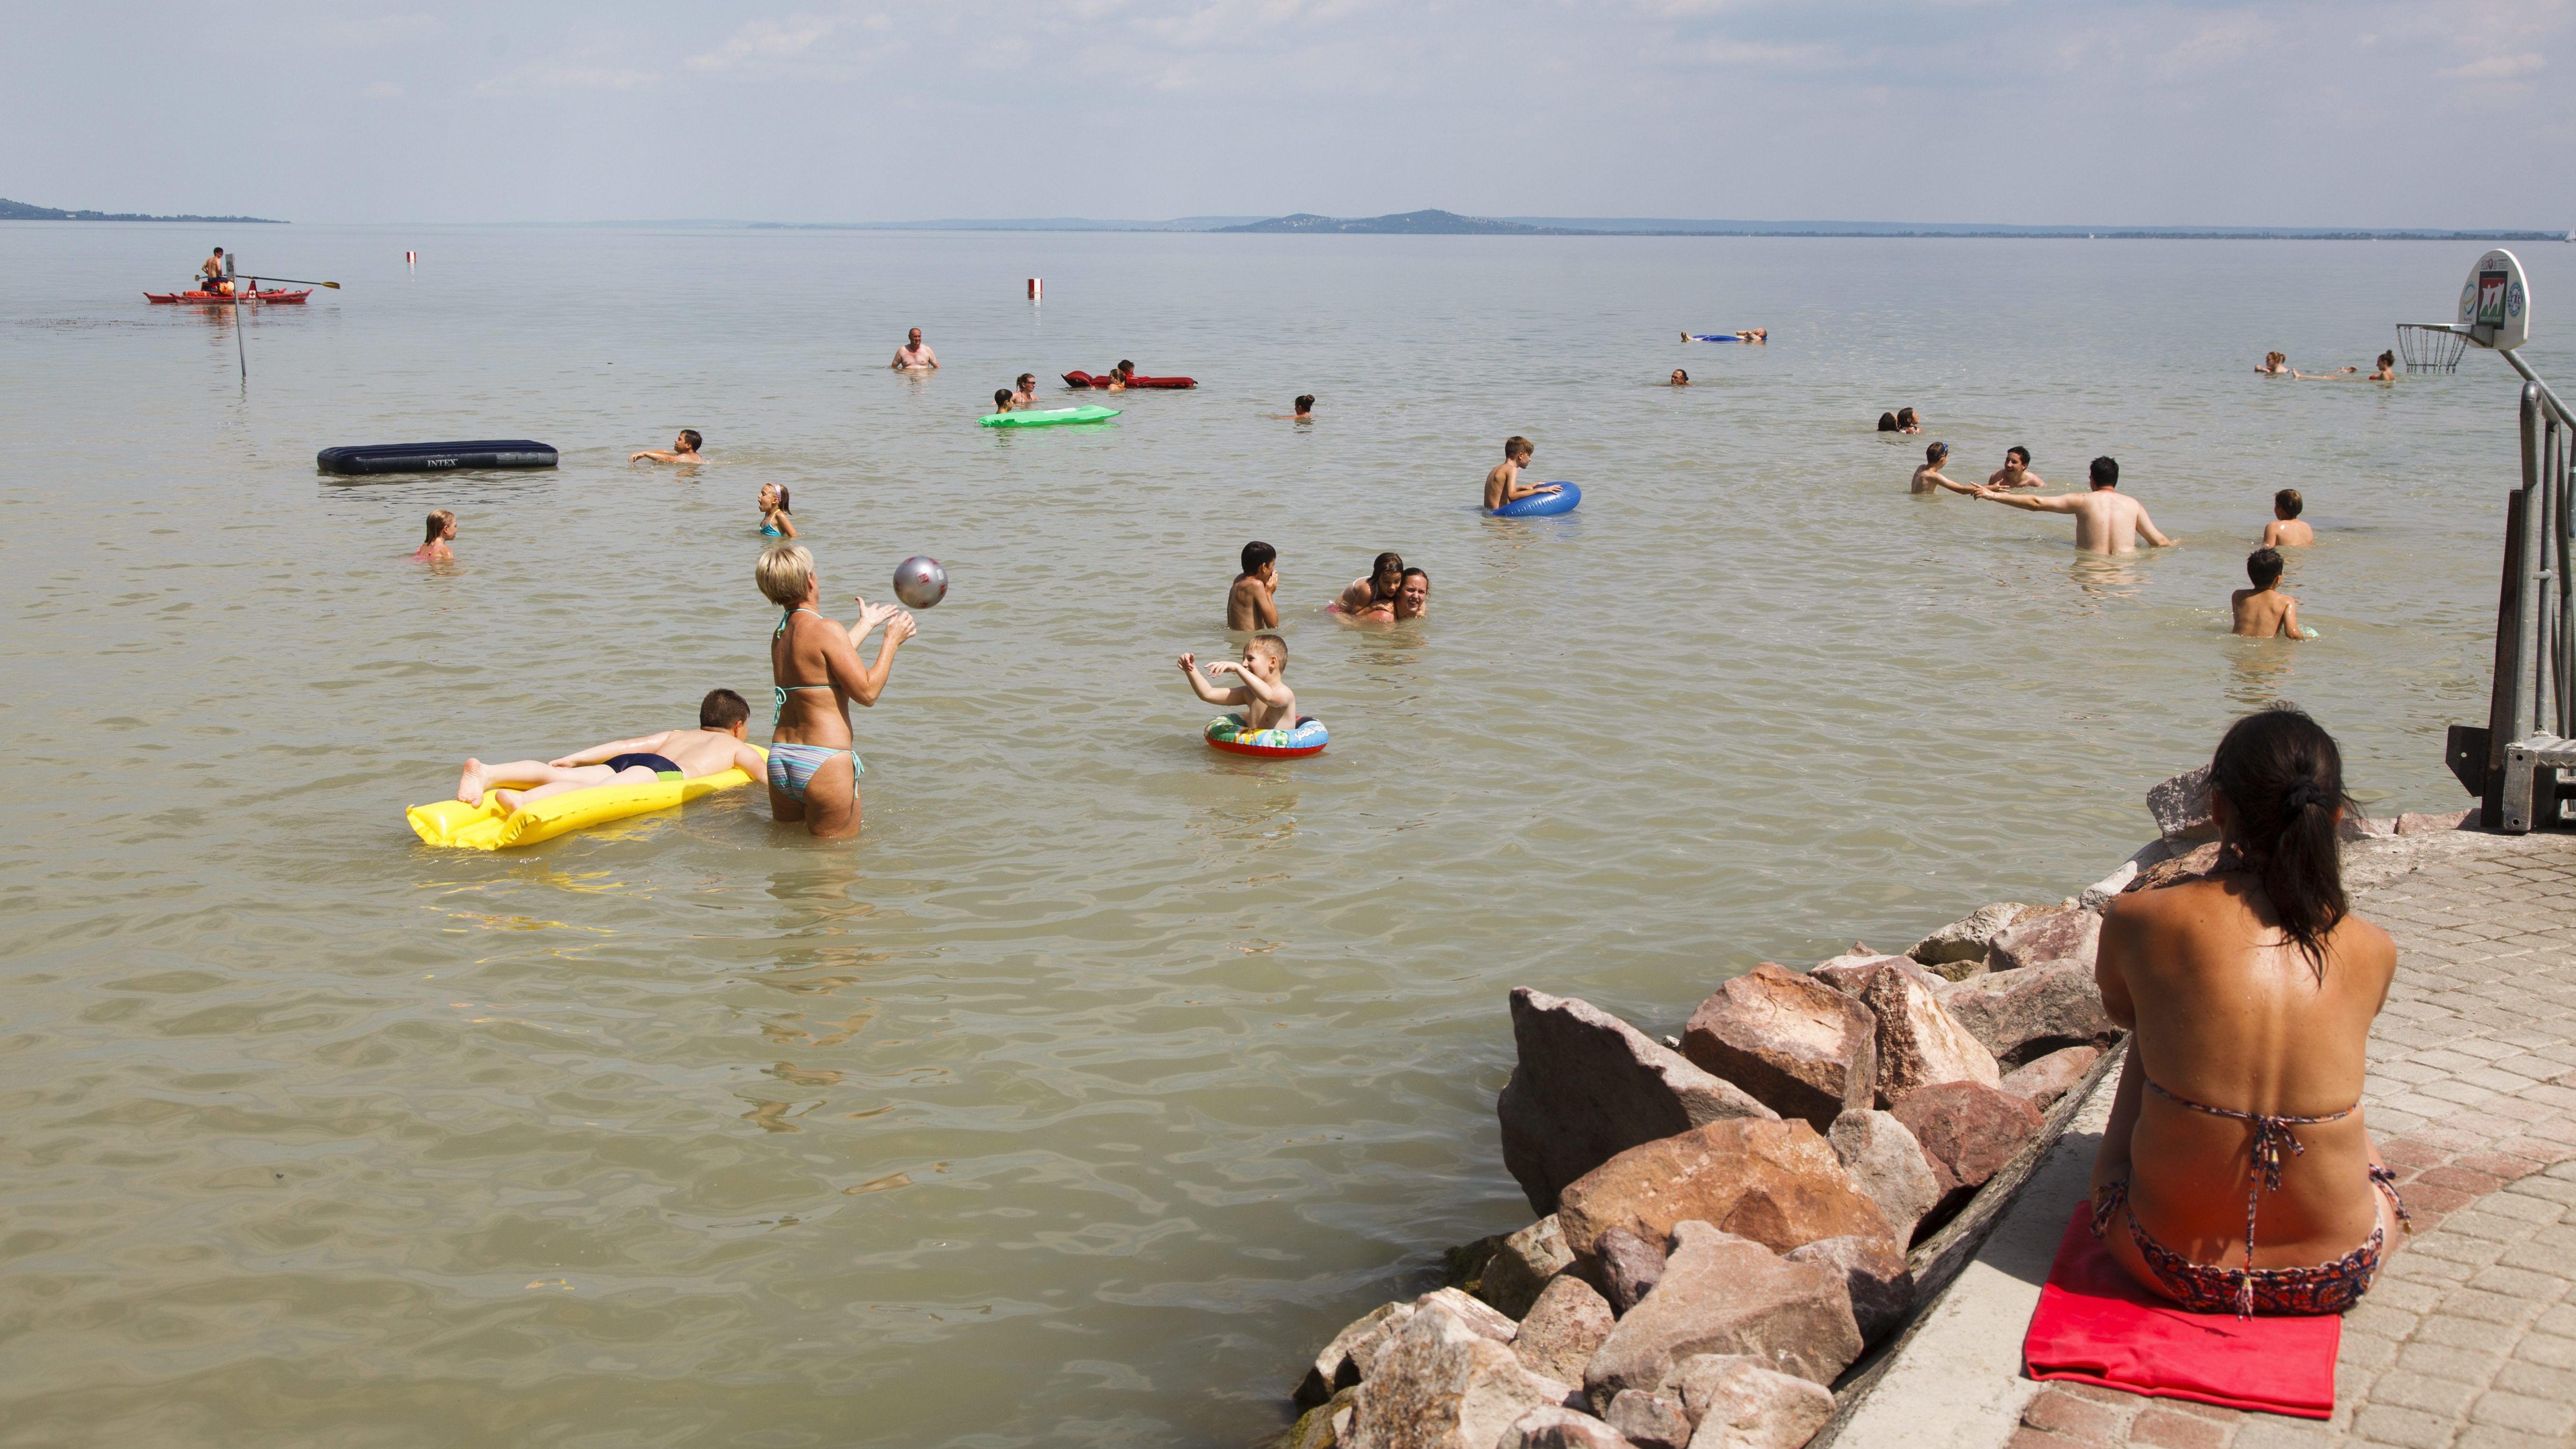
(223, 299)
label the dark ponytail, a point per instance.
(2283, 779)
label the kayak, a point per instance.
(218, 299)
(1050, 417)
(1084, 379)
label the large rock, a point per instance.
(2023, 1015)
(1650, 1421)
(1321, 1426)
(1739, 1402)
(1801, 1047)
(1556, 1428)
(2181, 807)
(1918, 1042)
(1875, 1272)
(2071, 934)
(1564, 1328)
(1777, 1183)
(1627, 1267)
(1968, 1132)
(1338, 1366)
(2191, 864)
(1965, 939)
(1725, 1294)
(1590, 1086)
(1522, 1264)
(1439, 1384)
(1851, 972)
(1888, 1166)
(2042, 1082)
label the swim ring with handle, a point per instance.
(1309, 737)
(1540, 505)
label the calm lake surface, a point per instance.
(1104, 1075)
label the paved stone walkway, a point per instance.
(2469, 1338)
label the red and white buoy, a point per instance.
(1037, 289)
(411, 259)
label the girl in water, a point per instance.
(442, 532)
(2235, 1174)
(774, 519)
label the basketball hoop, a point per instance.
(2430, 347)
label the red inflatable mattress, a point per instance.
(1084, 379)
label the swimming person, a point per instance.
(2387, 369)
(915, 355)
(1253, 602)
(1928, 475)
(1755, 335)
(1374, 591)
(442, 532)
(683, 449)
(775, 521)
(1503, 484)
(2275, 364)
(2235, 1174)
(2106, 520)
(2015, 473)
(1264, 697)
(2263, 611)
(1887, 422)
(1907, 421)
(1001, 399)
(1680, 378)
(1305, 410)
(1413, 596)
(813, 766)
(2285, 530)
(1027, 393)
(714, 747)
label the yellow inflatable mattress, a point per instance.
(486, 827)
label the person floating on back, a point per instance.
(1263, 699)
(1503, 484)
(2285, 530)
(2263, 611)
(2106, 520)
(1253, 602)
(714, 747)
(776, 521)
(683, 449)
(1929, 476)
(442, 532)
(2015, 473)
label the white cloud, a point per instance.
(763, 43)
(532, 78)
(2494, 67)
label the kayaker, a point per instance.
(212, 273)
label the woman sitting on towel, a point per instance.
(2235, 1175)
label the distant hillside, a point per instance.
(21, 211)
(1409, 223)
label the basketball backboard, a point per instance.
(2495, 303)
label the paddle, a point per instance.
(296, 281)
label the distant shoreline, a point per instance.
(22, 211)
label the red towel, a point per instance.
(2095, 1325)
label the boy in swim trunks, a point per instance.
(1503, 485)
(2263, 610)
(2285, 530)
(2015, 473)
(1264, 697)
(683, 449)
(714, 747)
(1929, 476)
(1254, 601)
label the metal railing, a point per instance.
(2513, 764)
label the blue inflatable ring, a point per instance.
(1540, 505)
(1226, 732)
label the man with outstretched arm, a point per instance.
(2106, 520)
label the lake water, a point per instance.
(1104, 1075)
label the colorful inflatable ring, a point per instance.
(1227, 733)
(488, 827)
(1540, 505)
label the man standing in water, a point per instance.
(915, 355)
(2106, 520)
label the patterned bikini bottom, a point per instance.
(2207, 1288)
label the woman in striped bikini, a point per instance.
(814, 666)
(2235, 1175)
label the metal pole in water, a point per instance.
(240, 348)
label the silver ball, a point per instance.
(920, 582)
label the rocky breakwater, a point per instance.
(1725, 1213)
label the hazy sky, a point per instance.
(2358, 112)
